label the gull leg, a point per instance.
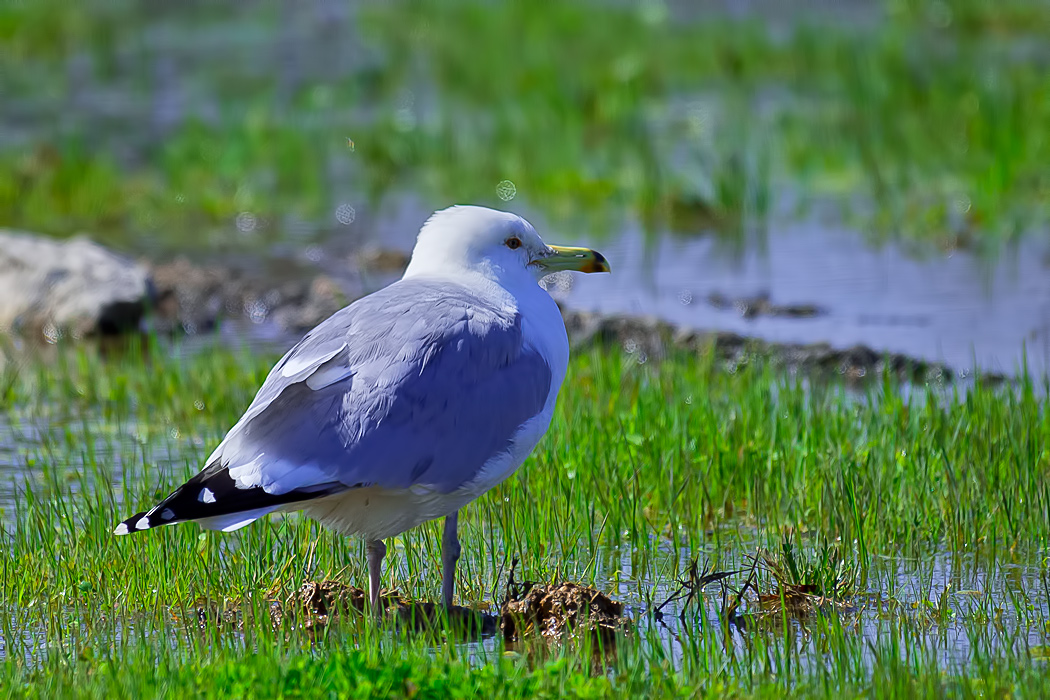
(450, 550)
(376, 551)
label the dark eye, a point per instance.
(513, 243)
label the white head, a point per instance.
(498, 245)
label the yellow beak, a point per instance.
(576, 259)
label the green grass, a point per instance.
(646, 466)
(930, 511)
(924, 125)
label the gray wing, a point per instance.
(419, 383)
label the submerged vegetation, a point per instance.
(646, 467)
(924, 118)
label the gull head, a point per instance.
(495, 244)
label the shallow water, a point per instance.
(952, 308)
(989, 611)
(945, 608)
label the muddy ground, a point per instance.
(530, 610)
(195, 298)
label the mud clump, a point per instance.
(832, 587)
(545, 610)
(762, 305)
(317, 603)
(797, 600)
(313, 606)
(553, 610)
(801, 586)
(648, 338)
(194, 299)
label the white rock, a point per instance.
(73, 286)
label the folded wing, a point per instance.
(420, 383)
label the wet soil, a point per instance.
(196, 298)
(649, 337)
(548, 611)
(316, 605)
(319, 603)
(554, 610)
(761, 305)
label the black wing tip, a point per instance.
(146, 520)
(211, 494)
(126, 527)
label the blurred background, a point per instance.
(846, 175)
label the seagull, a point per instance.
(405, 405)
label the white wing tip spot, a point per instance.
(121, 529)
(143, 523)
(206, 495)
